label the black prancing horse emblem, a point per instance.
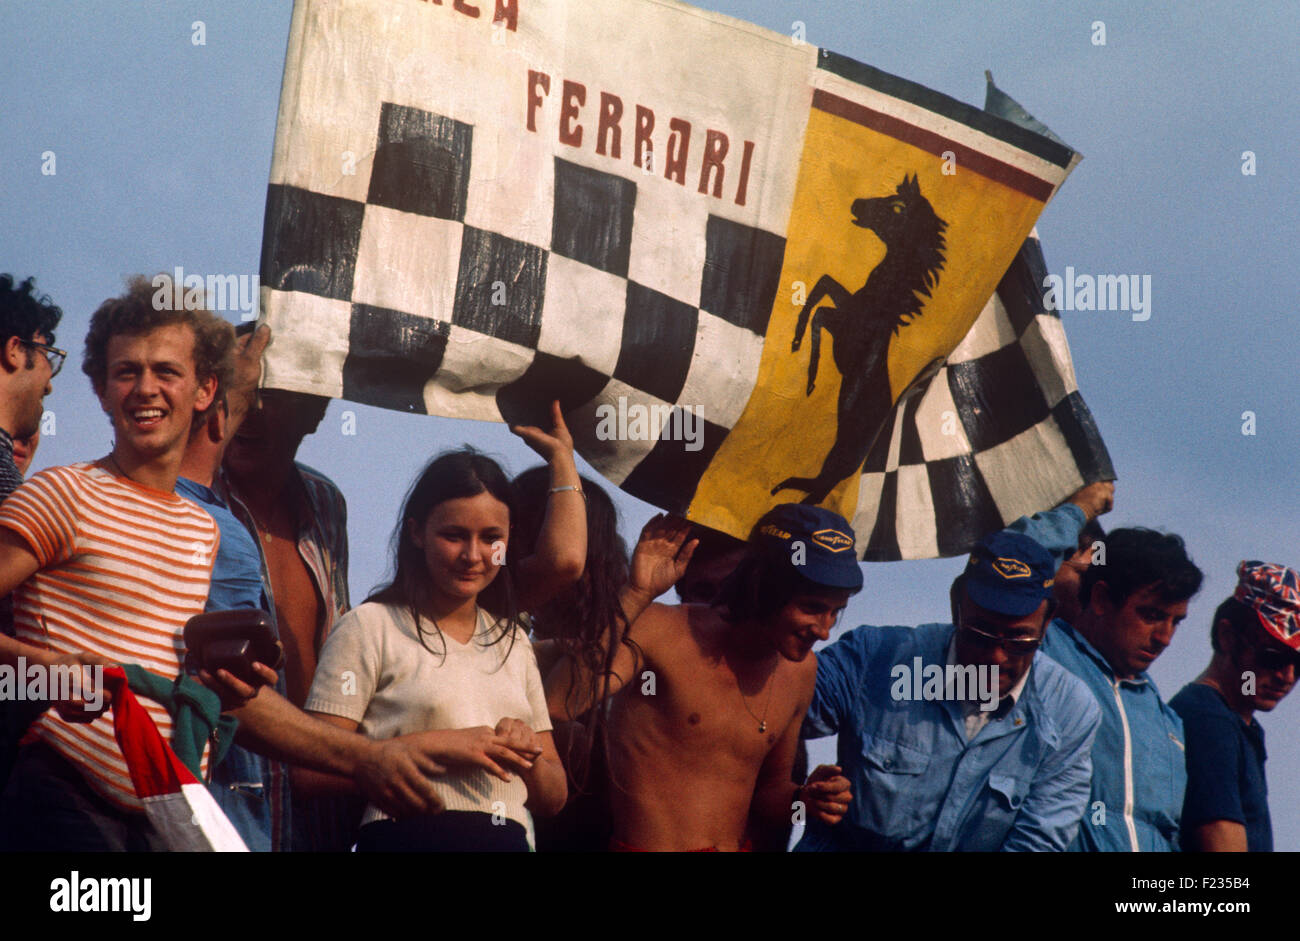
(862, 324)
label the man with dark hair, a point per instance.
(959, 736)
(28, 363)
(1256, 638)
(1131, 606)
(705, 725)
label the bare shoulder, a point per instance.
(659, 624)
(803, 676)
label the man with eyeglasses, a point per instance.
(1256, 641)
(959, 736)
(27, 364)
(1130, 607)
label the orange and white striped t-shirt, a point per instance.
(122, 568)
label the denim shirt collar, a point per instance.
(1026, 710)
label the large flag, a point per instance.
(727, 253)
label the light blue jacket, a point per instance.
(918, 784)
(1139, 772)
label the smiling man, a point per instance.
(1130, 608)
(705, 725)
(109, 563)
(1256, 641)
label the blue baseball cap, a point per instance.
(1009, 573)
(818, 544)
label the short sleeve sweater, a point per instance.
(374, 670)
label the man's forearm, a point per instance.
(634, 602)
(272, 726)
(11, 649)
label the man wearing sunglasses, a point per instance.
(1255, 636)
(959, 736)
(1129, 608)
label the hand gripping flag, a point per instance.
(728, 254)
(180, 808)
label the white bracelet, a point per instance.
(569, 487)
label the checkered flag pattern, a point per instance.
(1000, 431)
(566, 318)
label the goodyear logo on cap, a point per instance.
(1011, 568)
(770, 530)
(832, 540)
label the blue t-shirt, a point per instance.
(237, 571)
(1225, 767)
(238, 783)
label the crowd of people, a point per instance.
(514, 686)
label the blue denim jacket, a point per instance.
(918, 784)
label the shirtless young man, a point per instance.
(704, 731)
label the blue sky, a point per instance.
(162, 154)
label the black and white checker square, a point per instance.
(407, 262)
(951, 466)
(422, 163)
(392, 357)
(658, 342)
(499, 287)
(593, 215)
(309, 242)
(582, 313)
(742, 272)
(618, 428)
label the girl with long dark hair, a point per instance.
(440, 650)
(579, 623)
